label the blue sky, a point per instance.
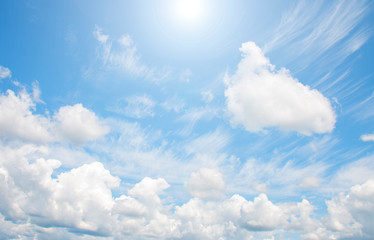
(182, 119)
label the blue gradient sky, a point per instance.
(262, 109)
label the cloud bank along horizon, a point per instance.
(100, 141)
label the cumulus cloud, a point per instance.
(4, 72)
(38, 200)
(262, 214)
(352, 214)
(31, 192)
(42, 200)
(259, 97)
(78, 124)
(18, 121)
(206, 184)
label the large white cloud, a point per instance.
(352, 214)
(262, 214)
(259, 97)
(79, 199)
(18, 121)
(78, 124)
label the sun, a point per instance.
(189, 11)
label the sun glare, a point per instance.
(189, 11)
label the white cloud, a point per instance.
(32, 193)
(41, 200)
(125, 40)
(354, 173)
(364, 109)
(258, 97)
(173, 104)
(36, 92)
(212, 142)
(148, 190)
(4, 72)
(206, 184)
(18, 121)
(139, 106)
(260, 187)
(125, 57)
(193, 115)
(310, 182)
(352, 214)
(78, 124)
(367, 137)
(262, 214)
(207, 96)
(36, 201)
(186, 75)
(286, 177)
(99, 35)
(311, 29)
(89, 202)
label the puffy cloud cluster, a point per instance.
(37, 201)
(259, 97)
(81, 200)
(78, 124)
(74, 123)
(352, 214)
(18, 121)
(41, 200)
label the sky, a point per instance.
(186, 119)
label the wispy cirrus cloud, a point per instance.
(123, 55)
(135, 106)
(310, 30)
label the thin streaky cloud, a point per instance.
(122, 55)
(313, 29)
